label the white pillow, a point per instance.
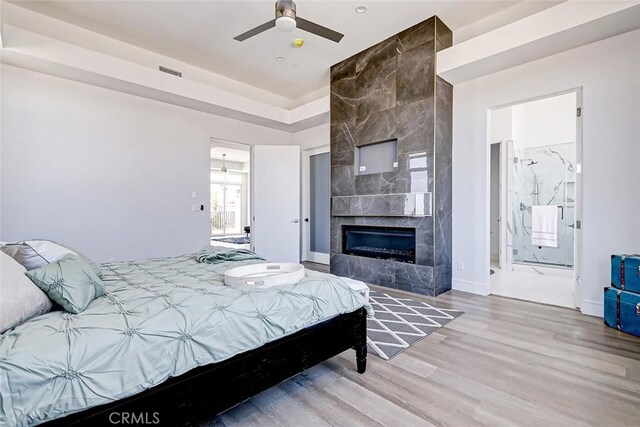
(20, 299)
(33, 254)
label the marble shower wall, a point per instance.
(552, 168)
(391, 91)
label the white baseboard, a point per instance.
(470, 287)
(592, 308)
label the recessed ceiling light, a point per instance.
(361, 9)
(279, 58)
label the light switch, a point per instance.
(194, 194)
(195, 208)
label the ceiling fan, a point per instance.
(287, 20)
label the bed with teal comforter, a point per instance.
(159, 319)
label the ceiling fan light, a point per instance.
(286, 23)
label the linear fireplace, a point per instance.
(395, 243)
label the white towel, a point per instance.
(544, 226)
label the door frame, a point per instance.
(217, 142)
(305, 236)
(577, 243)
(503, 152)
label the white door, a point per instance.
(275, 227)
(316, 204)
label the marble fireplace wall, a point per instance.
(391, 91)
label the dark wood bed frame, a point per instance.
(200, 394)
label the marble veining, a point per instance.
(381, 205)
(543, 176)
(390, 91)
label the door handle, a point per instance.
(306, 220)
(295, 221)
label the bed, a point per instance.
(171, 343)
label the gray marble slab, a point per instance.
(416, 74)
(383, 205)
(390, 91)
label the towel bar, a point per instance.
(528, 208)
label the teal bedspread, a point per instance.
(159, 318)
(216, 254)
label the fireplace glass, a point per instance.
(395, 243)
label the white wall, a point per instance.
(501, 125)
(108, 173)
(544, 122)
(609, 72)
(313, 137)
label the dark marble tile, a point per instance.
(340, 206)
(415, 36)
(376, 183)
(443, 33)
(414, 278)
(376, 88)
(444, 125)
(340, 266)
(443, 173)
(342, 181)
(416, 74)
(442, 211)
(336, 232)
(377, 127)
(342, 143)
(424, 242)
(415, 173)
(376, 54)
(343, 69)
(369, 270)
(442, 279)
(415, 127)
(343, 91)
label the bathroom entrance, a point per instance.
(534, 201)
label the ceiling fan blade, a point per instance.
(256, 30)
(318, 30)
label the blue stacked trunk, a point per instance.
(625, 272)
(622, 300)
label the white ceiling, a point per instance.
(201, 32)
(233, 155)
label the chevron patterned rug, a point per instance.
(401, 322)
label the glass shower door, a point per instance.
(543, 175)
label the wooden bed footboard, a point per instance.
(200, 394)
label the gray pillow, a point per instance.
(20, 299)
(38, 253)
(69, 282)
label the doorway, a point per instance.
(316, 205)
(534, 202)
(230, 195)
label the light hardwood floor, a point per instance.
(504, 363)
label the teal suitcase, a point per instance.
(622, 310)
(625, 272)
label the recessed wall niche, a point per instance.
(378, 157)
